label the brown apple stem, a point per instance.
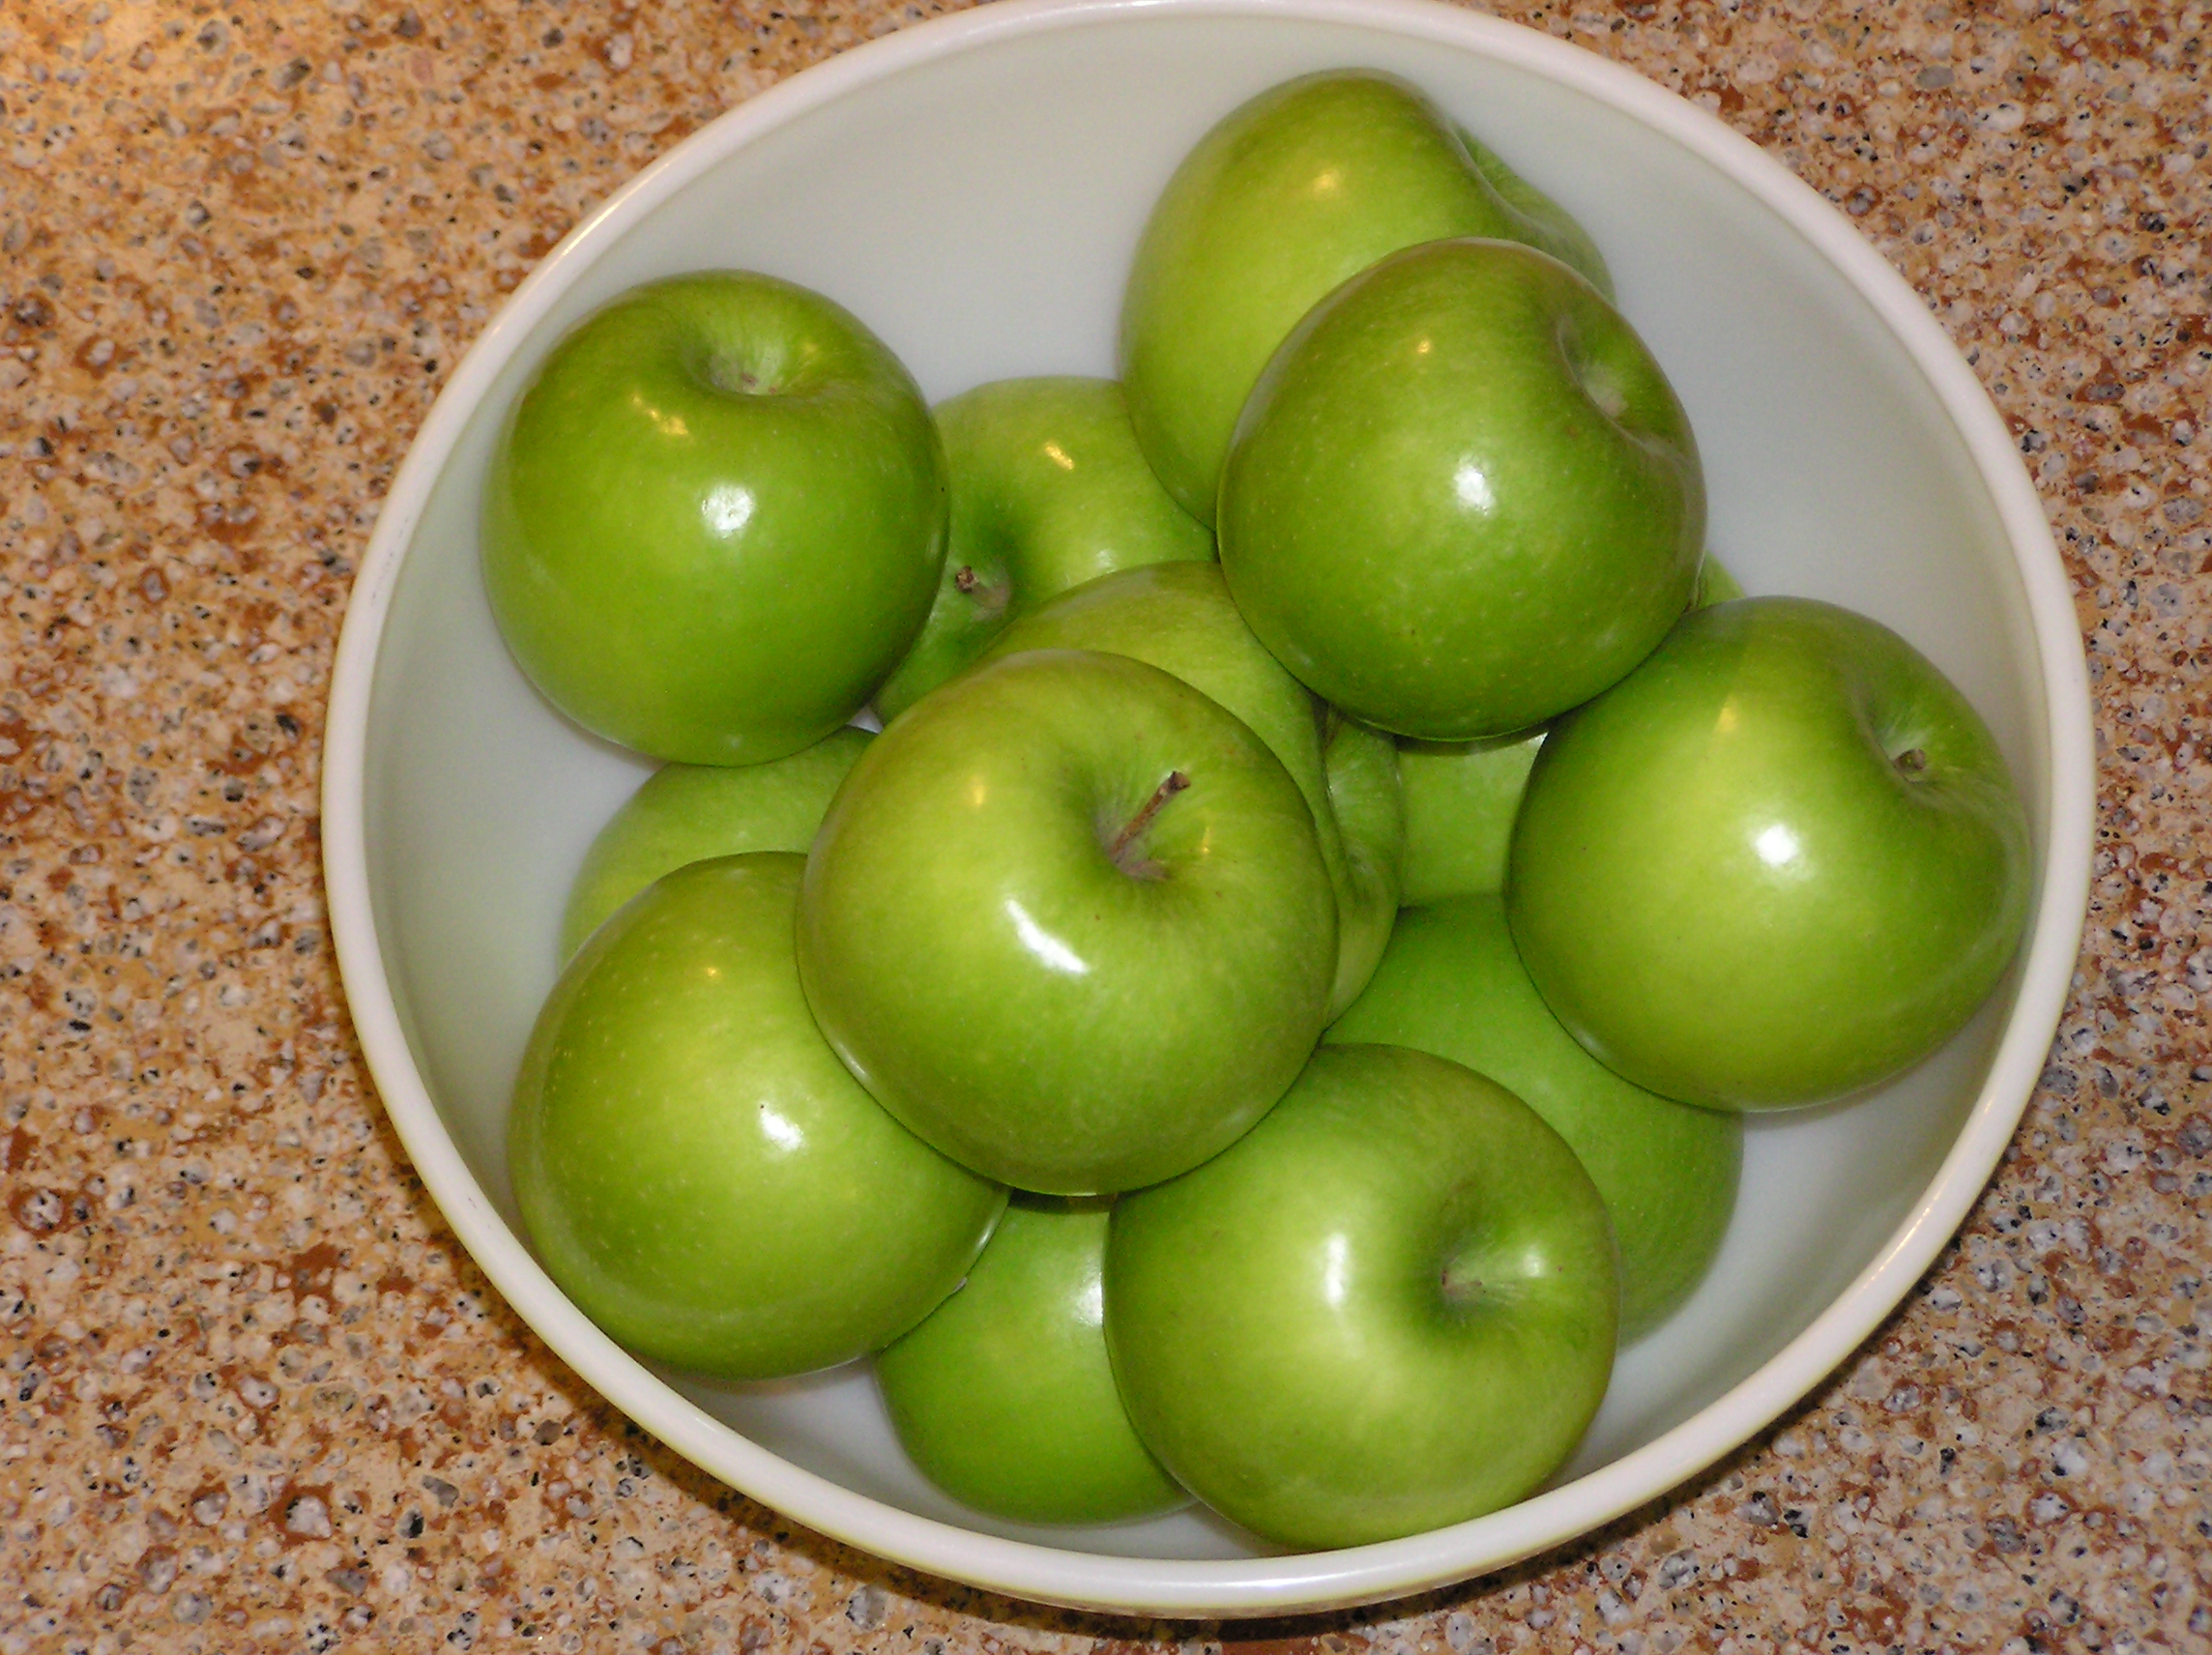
(1912, 761)
(965, 580)
(1133, 830)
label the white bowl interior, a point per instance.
(979, 211)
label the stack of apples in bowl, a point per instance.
(1277, 1002)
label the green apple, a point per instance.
(1049, 491)
(1292, 194)
(688, 813)
(1451, 984)
(1069, 921)
(1389, 1307)
(1370, 805)
(1715, 585)
(1461, 796)
(1005, 1395)
(715, 518)
(1179, 617)
(1463, 497)
(1779, 861)
(698, 1170)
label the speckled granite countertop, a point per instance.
(253, 1398)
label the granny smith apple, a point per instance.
(1779, 861)
(1370, 806)
(1715, 585)
(688, 813)
(715, 518)
(1292, 194)
(1461, 796)
(1005, 1395)
(1179, 617)
(1388, 1307)
(699, 1171)
(1069, 921)
(1049, 490)
(1451, 984)
(1463, 497)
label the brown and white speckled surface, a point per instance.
(254, 1400)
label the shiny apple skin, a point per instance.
(1005, 1395)
(714, 519)
(698, 1170)
(1389, 1307)
(1049, 491)
(1179, 617)
(1463, 497)
(688, 813)
(1291, 194)
(1451, 983)
(1737, 886)
(1059, 1019)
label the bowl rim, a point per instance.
(1270, 1585)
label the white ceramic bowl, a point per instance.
(973, 189)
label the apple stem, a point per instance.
(1134, 828)
(965, 580)
(1912, 761)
